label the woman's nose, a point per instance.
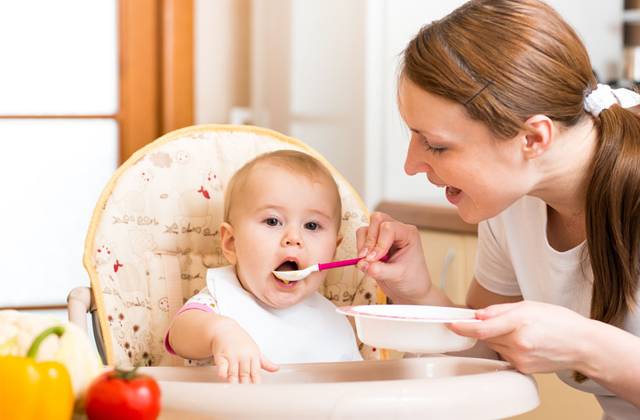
(414, 165)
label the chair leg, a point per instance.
(97, 335)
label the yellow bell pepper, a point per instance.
(35, 390)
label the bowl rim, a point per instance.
(356, 312)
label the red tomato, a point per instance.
(124, 396)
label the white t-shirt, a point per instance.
(515, 258)
(307, 332)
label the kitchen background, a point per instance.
(85, 83)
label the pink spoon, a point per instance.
(302, 274)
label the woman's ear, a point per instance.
(538, 136)
(227, 242)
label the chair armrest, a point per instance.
(79, 302)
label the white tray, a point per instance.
(432, 387)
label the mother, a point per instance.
(506, 114)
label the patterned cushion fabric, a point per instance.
(154, 233)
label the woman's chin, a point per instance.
(470, 215)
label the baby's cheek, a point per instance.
(315, 280)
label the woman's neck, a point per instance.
(565, 170)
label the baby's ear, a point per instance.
(227, 242)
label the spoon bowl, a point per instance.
(297, 275)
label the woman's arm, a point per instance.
(538, 337)
(478, 297)
(611, 357)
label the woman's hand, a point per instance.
(236, 355)
(534, 337)
(404, 277)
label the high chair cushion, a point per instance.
(154, 233)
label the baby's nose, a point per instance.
(292, 239)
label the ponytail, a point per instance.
(613, 217)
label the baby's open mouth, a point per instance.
(288, 265)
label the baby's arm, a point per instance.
(192, 332)
(197, 334)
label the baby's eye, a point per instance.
(271, 221)
(312, 226)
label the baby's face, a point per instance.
(281, 221)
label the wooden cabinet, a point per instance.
(449, 246)
(558, 401)
(450, 258)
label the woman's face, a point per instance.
(481, 175)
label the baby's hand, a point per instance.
(236, 355)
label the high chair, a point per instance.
(154, 233)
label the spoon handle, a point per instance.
(344, 263)
(336, 264)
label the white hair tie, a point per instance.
(602, 97)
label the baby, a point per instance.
(282, 212)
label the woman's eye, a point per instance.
(312, 226)
(431, 148)
(271, 221)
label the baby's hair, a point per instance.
(298, 163)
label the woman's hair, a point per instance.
(507, 60)
(298, 163)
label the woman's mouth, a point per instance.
(453, 194)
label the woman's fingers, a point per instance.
(383, 272)
(496, 310)
(371, 239)
(496, 321)
(486, 329)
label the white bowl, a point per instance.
(410, 328)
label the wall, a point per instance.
(308, 70)
(598, 23)
(222, 60)
(325, 72)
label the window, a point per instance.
(84, 85)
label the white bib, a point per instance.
(310, 331)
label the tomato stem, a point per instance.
(126, 375)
